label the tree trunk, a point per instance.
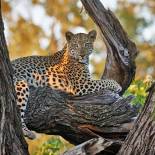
(12, 141)
(141, 139)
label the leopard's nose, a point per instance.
(83, 53)
(82, 56)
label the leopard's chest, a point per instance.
(66, 76)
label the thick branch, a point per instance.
(140, 140)
(81, 118)
(93, 147)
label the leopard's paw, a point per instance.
(115, 86)
(118, 89)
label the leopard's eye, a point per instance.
(88, 45)
(72, 51)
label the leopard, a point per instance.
(67, 70)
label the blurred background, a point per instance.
(37, 27)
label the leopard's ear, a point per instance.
(69, 35)
(92, 35)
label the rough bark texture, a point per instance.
(141, 140)
(92, 147)
(12, 141)
(81, 118)
(105, 113)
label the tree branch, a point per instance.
(78, 119)
(93, 147)
(140, 140)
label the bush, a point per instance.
(53, 146)
(139, 89)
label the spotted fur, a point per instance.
(67, 70)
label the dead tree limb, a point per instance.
(92, 147)
(105, 113)
(81, 118)
(12, 141)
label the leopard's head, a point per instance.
(80, 45)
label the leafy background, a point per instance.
(37, 27)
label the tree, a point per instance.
(12, 141)
(78, 119)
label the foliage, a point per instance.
(48, 145)
(51, 147)
(139, 89)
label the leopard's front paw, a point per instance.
(29, 134)
(117, 87)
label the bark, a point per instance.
(12, 141)
(93, 147)
(78, 119)
(103, 113)
(141, 139)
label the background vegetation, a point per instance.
(37, 27)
